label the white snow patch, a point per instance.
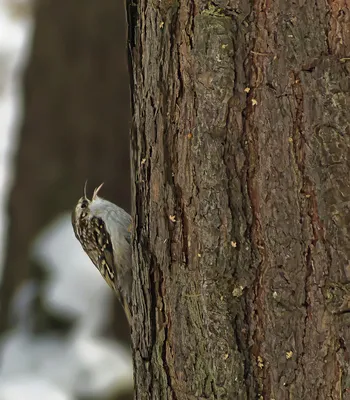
(76, 287)
(78, 365)
(31, 388)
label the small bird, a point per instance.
(104, 232)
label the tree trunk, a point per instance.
(241, 158)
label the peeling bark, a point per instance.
(241, 163)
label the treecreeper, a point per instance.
(104, 232)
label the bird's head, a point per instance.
(82, 209)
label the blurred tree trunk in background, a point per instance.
(241, 162)
(75, 126)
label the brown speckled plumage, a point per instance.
(103, 230)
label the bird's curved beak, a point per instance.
(96, 191)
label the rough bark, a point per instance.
(75, 127)
(241, 158)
